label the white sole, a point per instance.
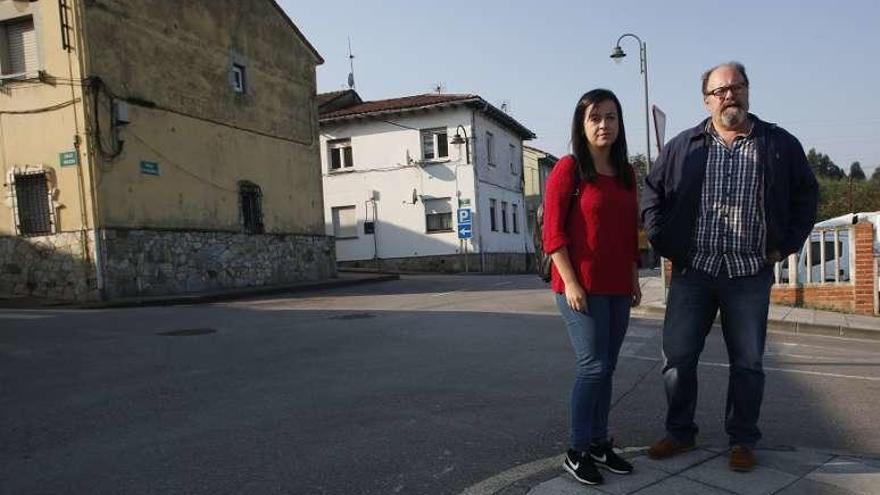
(607, 468)
(575, 476)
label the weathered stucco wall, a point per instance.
(39, 119)
(172, 61)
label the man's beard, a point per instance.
(733, 116)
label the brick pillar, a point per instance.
(864, 279)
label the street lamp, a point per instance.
(457, 139)
(617, 55)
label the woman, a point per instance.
(591, 235)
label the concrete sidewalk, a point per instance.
(781, 318)
(783, 471)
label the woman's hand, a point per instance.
(636, 295)
(576, 297)
(637, 289)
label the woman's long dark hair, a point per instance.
(581, 150)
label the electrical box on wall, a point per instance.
(120, 112)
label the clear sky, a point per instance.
(814, 66)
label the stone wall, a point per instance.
(154, 262)
(453, 263)
(56, 267)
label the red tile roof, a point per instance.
(369, 109)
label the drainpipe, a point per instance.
(475, 163)
(91, 157)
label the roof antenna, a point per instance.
(351, 65)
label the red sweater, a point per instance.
(600, 231)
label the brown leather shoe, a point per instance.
(667, 447)
(742, 459)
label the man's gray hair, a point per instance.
(732, 64)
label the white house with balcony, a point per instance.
(398, 171)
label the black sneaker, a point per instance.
(579, 465)
(603, 456)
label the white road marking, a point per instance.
(767, 368)
(24, 317)
(503, 480)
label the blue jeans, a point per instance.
(596, 337)
(694, 299)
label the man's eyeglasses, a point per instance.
(738, 89)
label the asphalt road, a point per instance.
(425, 385)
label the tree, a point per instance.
(855, 171)
(823, 166)
(875, 177)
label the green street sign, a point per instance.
(149, 168)
(68, 159)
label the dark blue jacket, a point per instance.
(671, 197)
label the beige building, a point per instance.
(157, 147)
(537, 165)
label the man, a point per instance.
(724, 201)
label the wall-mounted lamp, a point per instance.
(457, 139)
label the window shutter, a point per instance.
(22, 45)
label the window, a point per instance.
(340, 154)
(512, 150)
(438, 215)
(489, 144)
(18, 47)
(504, 216)
(514, 220)
(239, 79)
(344, 222)
(435, 144)
(32, 204)
(492, 221)
(250, 198)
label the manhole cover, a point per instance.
(354, 316)
(186, 332)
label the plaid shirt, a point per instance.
(730, 229)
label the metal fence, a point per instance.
(827, 257)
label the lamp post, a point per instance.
(457, 139)
(617, 54)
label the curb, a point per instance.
(180, 299)
(787, 326)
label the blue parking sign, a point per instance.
(464, 216)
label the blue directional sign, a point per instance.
(464, 216)
(465, 231)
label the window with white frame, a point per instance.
(514, 219)
(32, 206)
(339, 151)
(239, 78)
(438, 215)
(512, 157)
(504, 216)
(490, 143)
(435, 144)
(493, 223)
(18, 47)
(344, 222)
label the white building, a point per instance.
(397, 171)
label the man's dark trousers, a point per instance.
(694, 299)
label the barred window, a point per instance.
(344, 222)
(438, 215)
(32, 204)
(250, 199)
